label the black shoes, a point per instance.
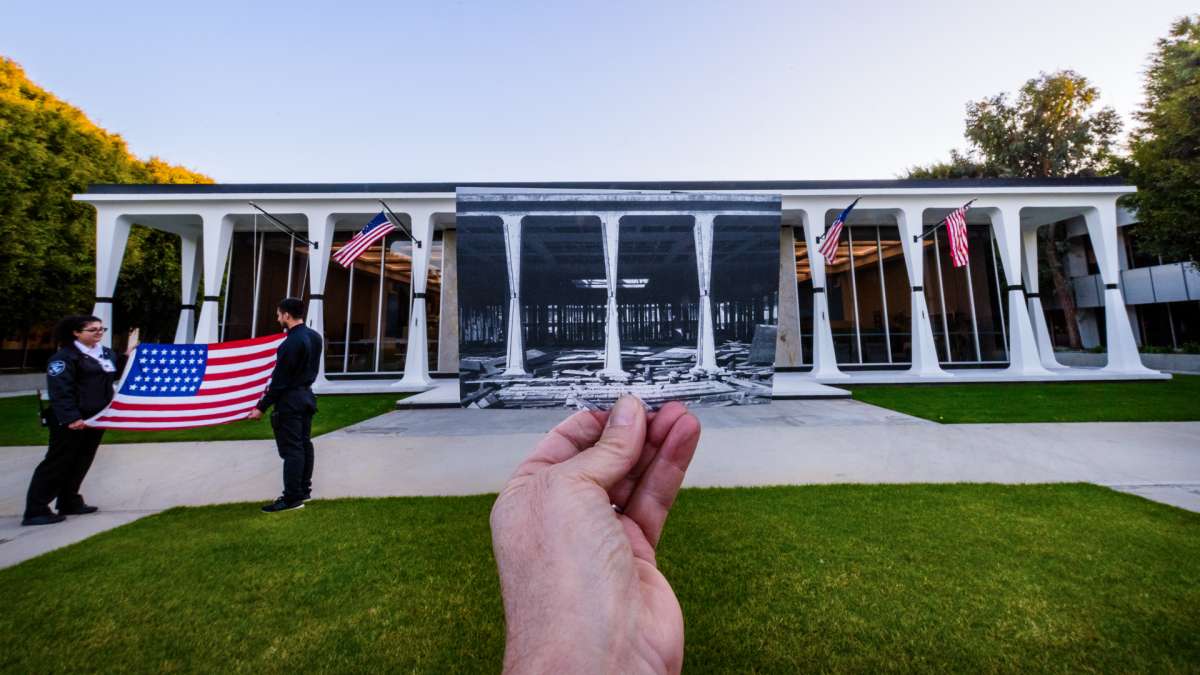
(47, 519)
(282, 504)
(81, 510)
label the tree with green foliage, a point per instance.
(1051, 128)
(1165, 147)
(50, 150)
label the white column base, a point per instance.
(185, 330)
(924, 353)
(1041, 333)
(514, 363)
(416, 357)
(824, 358)
(207, 328)
(1023, 356)
(1123, 356)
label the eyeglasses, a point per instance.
(94, 330)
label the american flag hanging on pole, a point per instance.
(190, 385)
(377, 229)
(828, 247)
(956, 232)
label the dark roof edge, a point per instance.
(318, 188)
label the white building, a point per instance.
(890, 308)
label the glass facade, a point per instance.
(367, 307)
(870, 306)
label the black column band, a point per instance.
(212, 298)
(183, 307)
(1111, 286)
(418, 296)
(316, 296)
(1032, 295)
(1015, 287)
(104, 300)
(818, 290)
(918, 289)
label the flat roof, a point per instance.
(343, 188)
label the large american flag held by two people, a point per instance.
(373, 231)
(190, 385)
(956, 232)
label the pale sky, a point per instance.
(576, 90)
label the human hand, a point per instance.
(132, 343)
(254, 414)
(76, 425)
(581, 588)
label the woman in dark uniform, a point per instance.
(80, 379)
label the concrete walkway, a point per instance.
(455, 452)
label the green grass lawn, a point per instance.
(832, 578)
(19, 421)
(1175, 400)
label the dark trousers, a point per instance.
(60, 474)
(293, 437)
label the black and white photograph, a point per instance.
(571, 299)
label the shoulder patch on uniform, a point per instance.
(56, 368)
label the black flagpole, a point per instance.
(284, 226)
(396, 222)
(821, 237)
(926, 233)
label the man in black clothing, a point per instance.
(290, 391)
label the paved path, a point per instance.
(452, 452)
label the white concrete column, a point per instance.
(448, 307)
(1123, 354)
(706, 350)
(218, 233)
(824, 358)
(189, 277)
(416, 359)
(924, 353)
(611, 231)
(789, 350)
(1023, 356)
(1033, 300)
(320, 230)
(112, 232)
(515, 353)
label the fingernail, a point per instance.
(622, 414)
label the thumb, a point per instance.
(618, 449)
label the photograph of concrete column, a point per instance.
(573, 298)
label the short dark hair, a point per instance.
(292, 306)
(64, 332)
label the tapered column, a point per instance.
(189, 278)
(1033, 300)
(1123, 356)
(824, 357)
(416, 359)
(706, 349)
(112, 232)
(448, 312)
(1023, 356)
(320, 230)
(611, 232)
(515, 354)
(789, 351)
(924, 353)
(218, 233)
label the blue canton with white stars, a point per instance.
(166, 370)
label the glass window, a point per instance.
(804, 294)
(396, 306)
